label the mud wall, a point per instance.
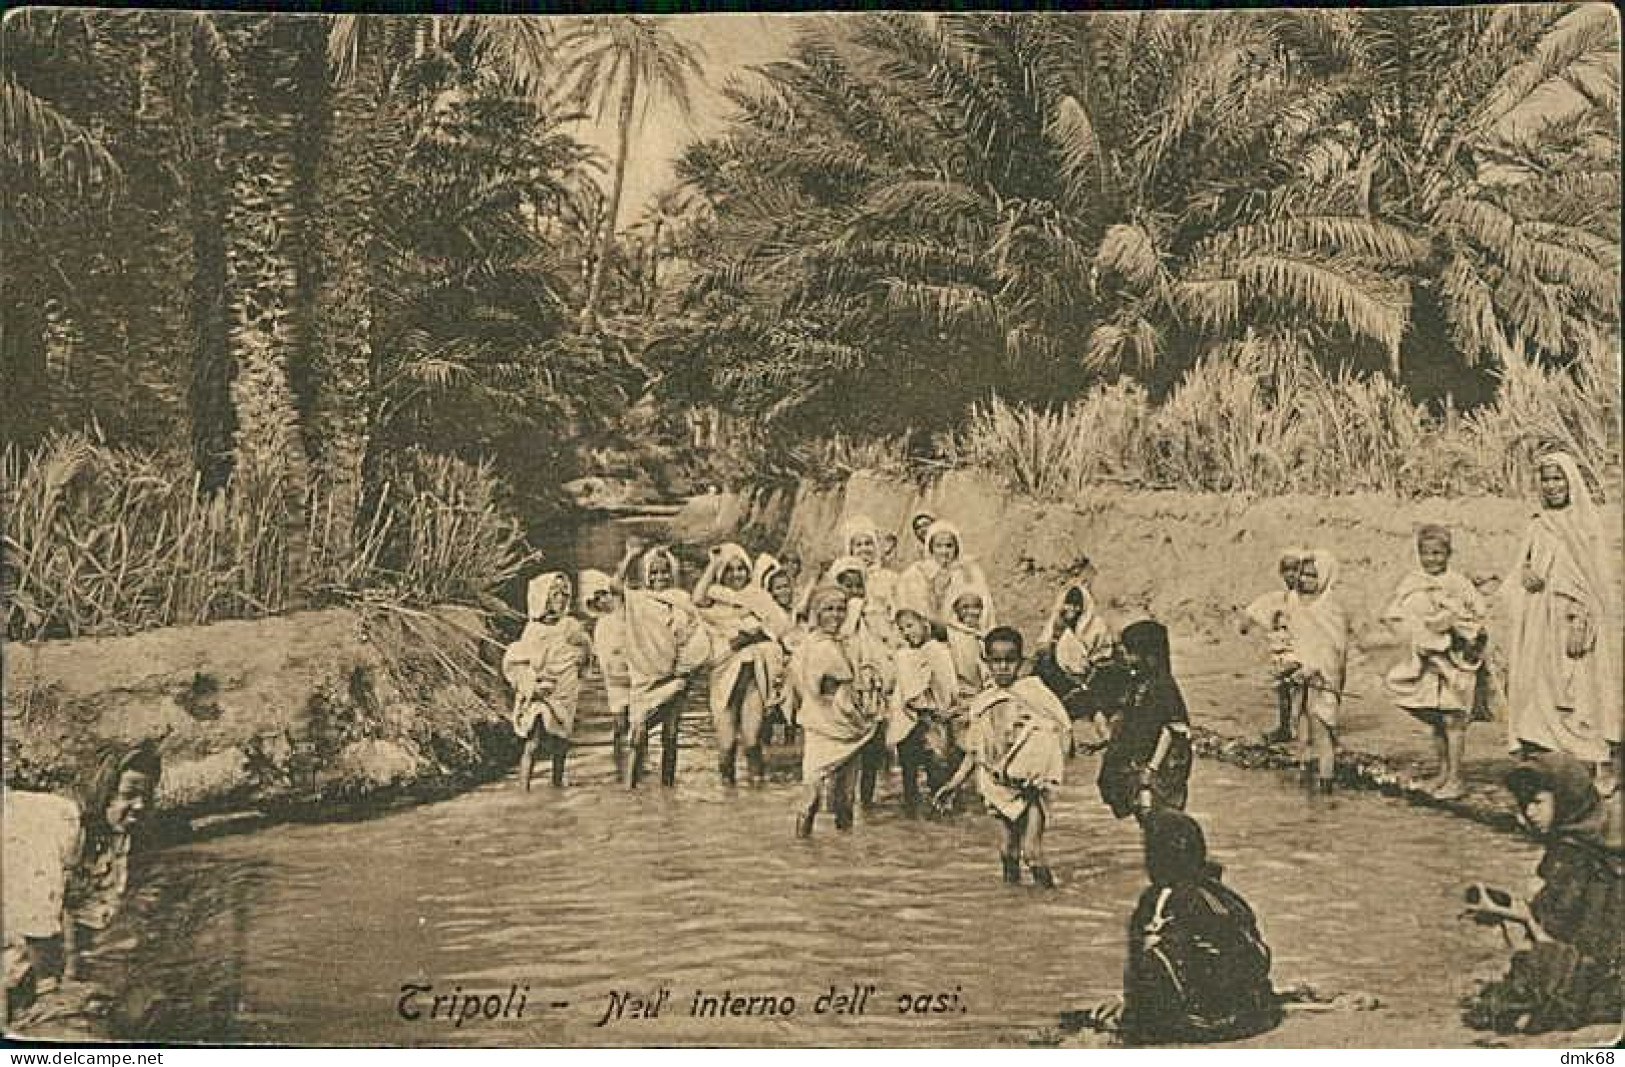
(294, 712)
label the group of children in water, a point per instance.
(865, 663)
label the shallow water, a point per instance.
(308, 933)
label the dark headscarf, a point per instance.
(1579, 811)
(112, 761)
(1176, 850)
(1148, 640)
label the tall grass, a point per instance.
(102, 541)
(1236, 425)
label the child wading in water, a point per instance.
(1017, 747)
(836, 726)
(1148, 760)
(1320, 646)
(920, 723)
(1269, 613)
(544, 668)
(1441, 617)
(602, 601)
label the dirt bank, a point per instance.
(1193, 560)
(282, 716)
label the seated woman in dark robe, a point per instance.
(1569, 976)
(1148, 757)
(1197, 968)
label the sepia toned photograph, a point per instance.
(861, 530)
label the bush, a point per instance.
(1233, 425)
(104, 541)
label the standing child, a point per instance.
(1441, 617)
(602, 602)
(1320, 642)
(1269, 614)
(746, 661)
(870, 639)
(1147, 763)
(1017, 747)
(836, 726)
(544, 667)
(666, 643)
(774, 579)
(963, 634)
(920, 724)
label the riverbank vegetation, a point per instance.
(305, 308)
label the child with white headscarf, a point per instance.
(666, 643)
(544, 668)
(1320, 641)
(747, 662)
(931, 585)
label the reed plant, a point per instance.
(102, 541)
(1235, 424)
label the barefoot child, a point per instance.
(1269, 613)
(1017, 747)
(836, 726)
(920, 723)
(544, 667)
(1148, 759)
(1441, 618)
(1319, 627)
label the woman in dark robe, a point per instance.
(1148, 758)
(1570, 974)
(1197, 968)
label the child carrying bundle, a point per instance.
(1440, 616)
(1017, 747)
(544, 668)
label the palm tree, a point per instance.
(614, 59)
(669, 214)
(387, 76)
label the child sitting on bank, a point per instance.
(1148, 759)
(544, 668)
(920, 723)
(1440, 616)
(1269, 614)
(1017, 747)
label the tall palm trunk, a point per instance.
(209, 408)
(262, 229)
(606, 234)
(363, 137)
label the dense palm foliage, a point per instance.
(307, 263)
(932, 208)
